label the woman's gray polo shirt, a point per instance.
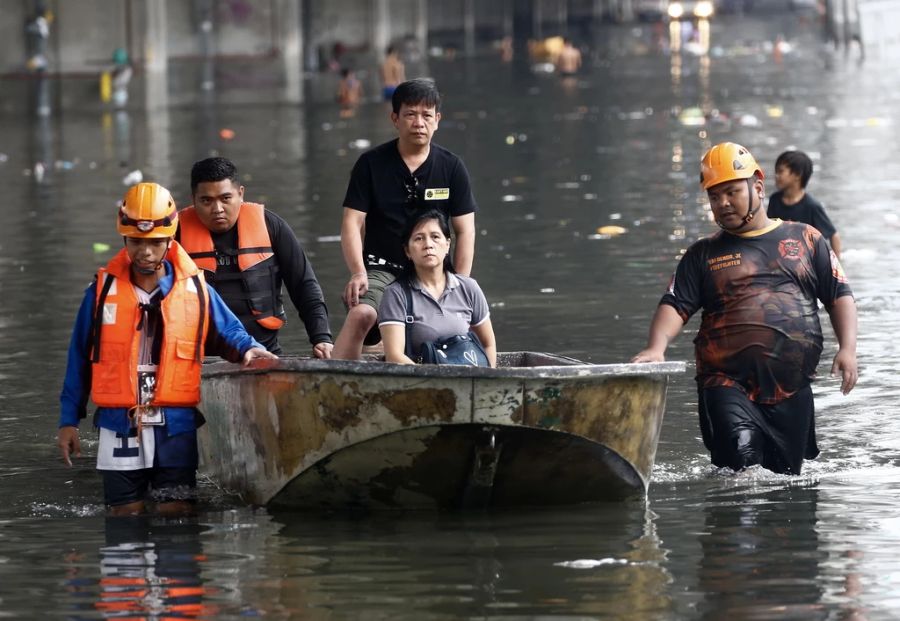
(461, 306)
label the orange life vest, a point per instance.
(251, 294)
(115, 339)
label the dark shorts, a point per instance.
(172, 477)
(783, 433)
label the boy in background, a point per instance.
(792, 202)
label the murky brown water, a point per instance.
(551, 162)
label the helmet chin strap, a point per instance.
(751, 212)
(149, 271)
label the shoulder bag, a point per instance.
(465, 349)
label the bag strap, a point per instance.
(404, 283)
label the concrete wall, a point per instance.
(880, 28)
(84, 33)
(333, 22)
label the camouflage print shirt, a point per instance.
(760, 326)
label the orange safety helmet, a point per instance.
(727, 161)
(147, 211)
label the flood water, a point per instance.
(551, 162)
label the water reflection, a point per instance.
(604, 561)
(117, 137)
(42, 152)
(761, 554)
(151, 568)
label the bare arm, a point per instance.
(843, 320)
(353, 228)
(485, 333)
(464, 254)
(666, 325)
(836, 244)
(394, 339)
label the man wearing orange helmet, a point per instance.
(137, 350)
(757, 281)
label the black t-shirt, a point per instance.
(382, 187)
(807, 210)
(760, 326)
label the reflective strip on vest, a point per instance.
(185, 320)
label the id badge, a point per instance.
(152, 416)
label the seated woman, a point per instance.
(443, 302)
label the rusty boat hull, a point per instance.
(540, 429)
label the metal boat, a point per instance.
(539, 429)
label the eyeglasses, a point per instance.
(412, 187)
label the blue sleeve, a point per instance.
(77, 383)
(227, 336)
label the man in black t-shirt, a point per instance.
(388, 185)
(758, 282)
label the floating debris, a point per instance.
(39, 171)
(611, 230)
(361, 143)
(226, 134)
(692, 117)
(775, 112)
(511, 198)
(328, 238)
(589, 563)
(548, 290)
(100, 247)
(132, 178)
